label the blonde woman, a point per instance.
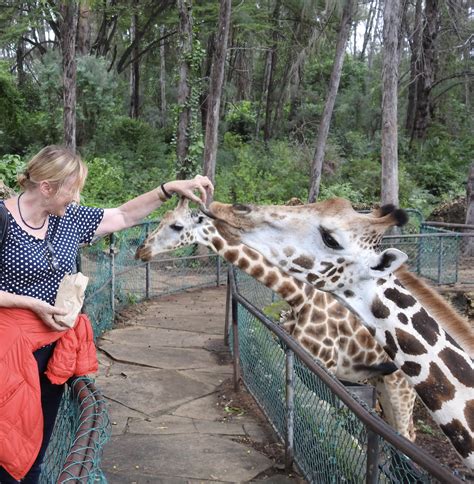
(46, 228)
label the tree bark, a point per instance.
(469, 245)
(415, 44)
(84, 29)
(134, 108)
(267, 128)
(164, 107)
(68, 29)
(391, 24)
(184, 88)
(317, 164)
(215, 90)
(427, 75)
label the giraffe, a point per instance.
(340, 342)
(332, 247)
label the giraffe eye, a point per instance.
(176, 227)
(329, 240)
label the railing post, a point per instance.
(112, 273)
(373, 451)
(227, 310)
(235, 339)
(440, 258)
(218, 271)
(147, 268)
(290, 409)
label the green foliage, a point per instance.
(241, 119)
(10, 167)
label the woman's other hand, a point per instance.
(46, 313)
(187, 188)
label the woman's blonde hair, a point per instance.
(56, 165)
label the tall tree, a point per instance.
(469, 246)
(318, 158)
(184, 87)
(215, 90)
(84, 29)
(134, 84)
(68, 28)
(164, 107)
(391, 24)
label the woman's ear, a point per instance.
(46, 189)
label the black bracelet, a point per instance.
(166, 194)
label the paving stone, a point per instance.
(197, 456)
(205, 408)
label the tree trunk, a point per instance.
(391, 24)
(134, 109)
(184, 88)
(368, 27)
(415, 45)
(68, 28)
(265, 87)
(84, 29)
(215, 90)
(203, 101)
(317, 164)
(20, 69)
(469, 241)
(164, 107)
(267, 128)
(426, 77)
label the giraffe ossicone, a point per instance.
(325, 328)
(334, 248)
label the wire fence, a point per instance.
(117, 280)
(331, 434)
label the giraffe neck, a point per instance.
(441, 372)
(257, 266)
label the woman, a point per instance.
(46, 228)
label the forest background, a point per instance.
(141, 87)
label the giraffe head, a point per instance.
(178, 228)
(327, 244)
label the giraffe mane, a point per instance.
(452, 322)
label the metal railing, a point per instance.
(330, 434)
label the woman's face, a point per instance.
(65, 195)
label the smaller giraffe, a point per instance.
(325, 328)
(332, 247)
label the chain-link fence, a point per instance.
(331, 434)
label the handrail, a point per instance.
(373, 422)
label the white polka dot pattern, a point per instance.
(25, 267)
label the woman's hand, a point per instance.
(186, 188)
(46, 312)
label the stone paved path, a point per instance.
(162, 375)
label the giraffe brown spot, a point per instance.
(288, 251)
(340, 260)
(231, 255)
(251, 253)
(319, 284)
(390, 347)
(398, 283)
(324, 354)
(426, 326)
(340, 269)
(296, 301)
(212, 229)
(295, 270)
(345, 330)
(308, 290)
(331, 272)
(304, 261)
(459, 437)
(371, 330)
(271, 279)
(365, 340)
(244, 263)
(335, 279)
(257, 271)
(304, 312)
(409, 343)
(371, 358)
(282, 263)
(379, 310)
(328, 342)
(205, 231)
(346, 363)
(343, 342)
(218, 244)
(340, 285)
(311, 277)
(353, 348)
(399, 298)
(318, 316)
(436, 389)
(381, 281)
(318, 331)
(286, 289)
(337, 311)
(297, 332)
(359, 358)
(411, 368)
(402, 318)
(452, 341)
(348, 293)
(469, 414)
(298, 283)
(458, 366)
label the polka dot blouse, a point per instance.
(29, 268)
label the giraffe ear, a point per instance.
(388, 262)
